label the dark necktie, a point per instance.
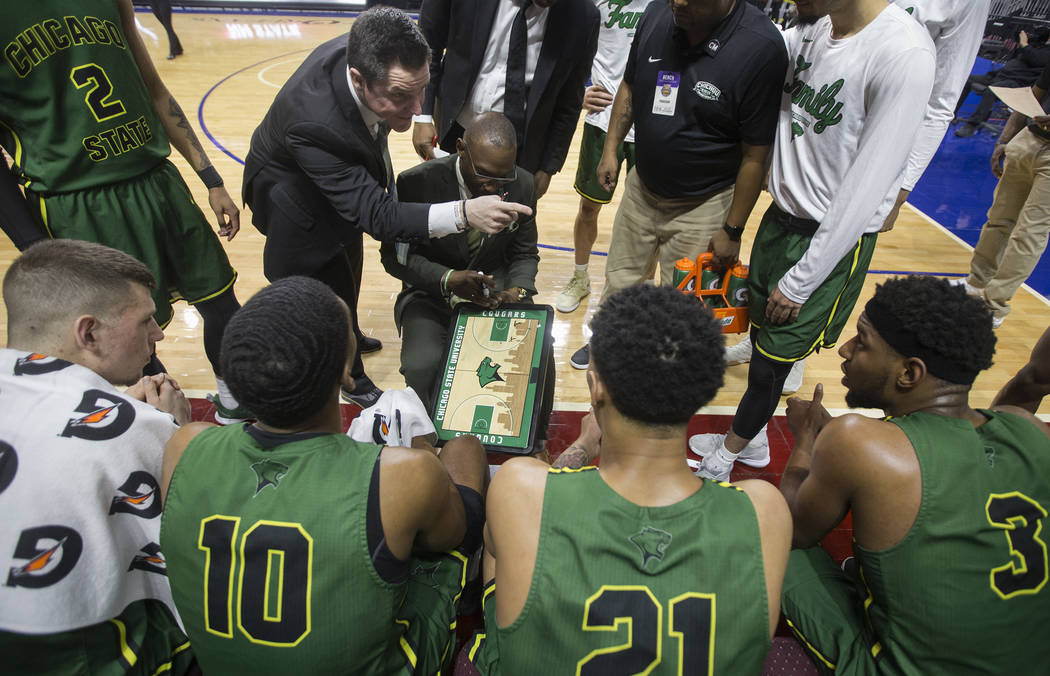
(514, 93)
(381, 135)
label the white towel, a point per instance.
(80, 503)
(394, 420)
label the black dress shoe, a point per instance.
(368, 344)
(365, 393)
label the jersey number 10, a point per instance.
(274, 563)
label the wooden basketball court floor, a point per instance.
(233, 66)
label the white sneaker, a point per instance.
(578, 288)
(739, 353)
(794, 379)
(755, 454)
(965, 283)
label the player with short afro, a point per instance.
(938, 493)
(943, 317)
(659, 353)
(570, 546)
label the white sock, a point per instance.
(226, 397)
(579, 268)
(726, 454)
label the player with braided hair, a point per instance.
(947, 501)
(645, 538)
(287, 365)
(358, 535)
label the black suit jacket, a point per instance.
(511, 255)
(458, 32)
(315, 178)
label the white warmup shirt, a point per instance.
(615, 33)
(847, 123)
(957, 27)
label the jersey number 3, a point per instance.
(690, 626)
(274, 561)
(1021, 519)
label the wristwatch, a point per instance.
(734, 233)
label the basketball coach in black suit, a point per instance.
(472, 70)
(485, 270)
(318, 173)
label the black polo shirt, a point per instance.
(728, 93)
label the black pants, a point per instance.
(162, 10)
(342, 274)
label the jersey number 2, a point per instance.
(98, 97)
(275, 564)
(1021, 519)
(691, 624)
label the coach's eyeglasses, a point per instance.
(495, 179)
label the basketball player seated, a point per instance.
(637, 564)
(948, 501)
(84, 588)
(293, 548)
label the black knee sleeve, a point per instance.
(475, 509)
(765, 382)
(216, 313)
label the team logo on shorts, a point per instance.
(8, 465)
(49, 552)
(268, 473)
(652, 542)
(706, 90)
(150, 560)
(138, 495)
(38, 364)
(488, 372)
(106, 416)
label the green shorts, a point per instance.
(825, 609)
(144, 640)
(824, 315)
(591, 147)
(483, 647)
(152, 217)
(428, 613)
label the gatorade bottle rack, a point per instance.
(724, 293)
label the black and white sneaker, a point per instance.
(581, 358)
(364, 394)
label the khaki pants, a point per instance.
(649, 228)
(1015, 235)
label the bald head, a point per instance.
(486, 154)
(493, 130)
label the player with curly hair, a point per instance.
(574, 549)
(947, 501)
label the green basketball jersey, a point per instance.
(268, 557)
(624, 589)
(965, 591)
(74, 111)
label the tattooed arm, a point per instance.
(585, 449)
(178, 128)
(621, 119)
